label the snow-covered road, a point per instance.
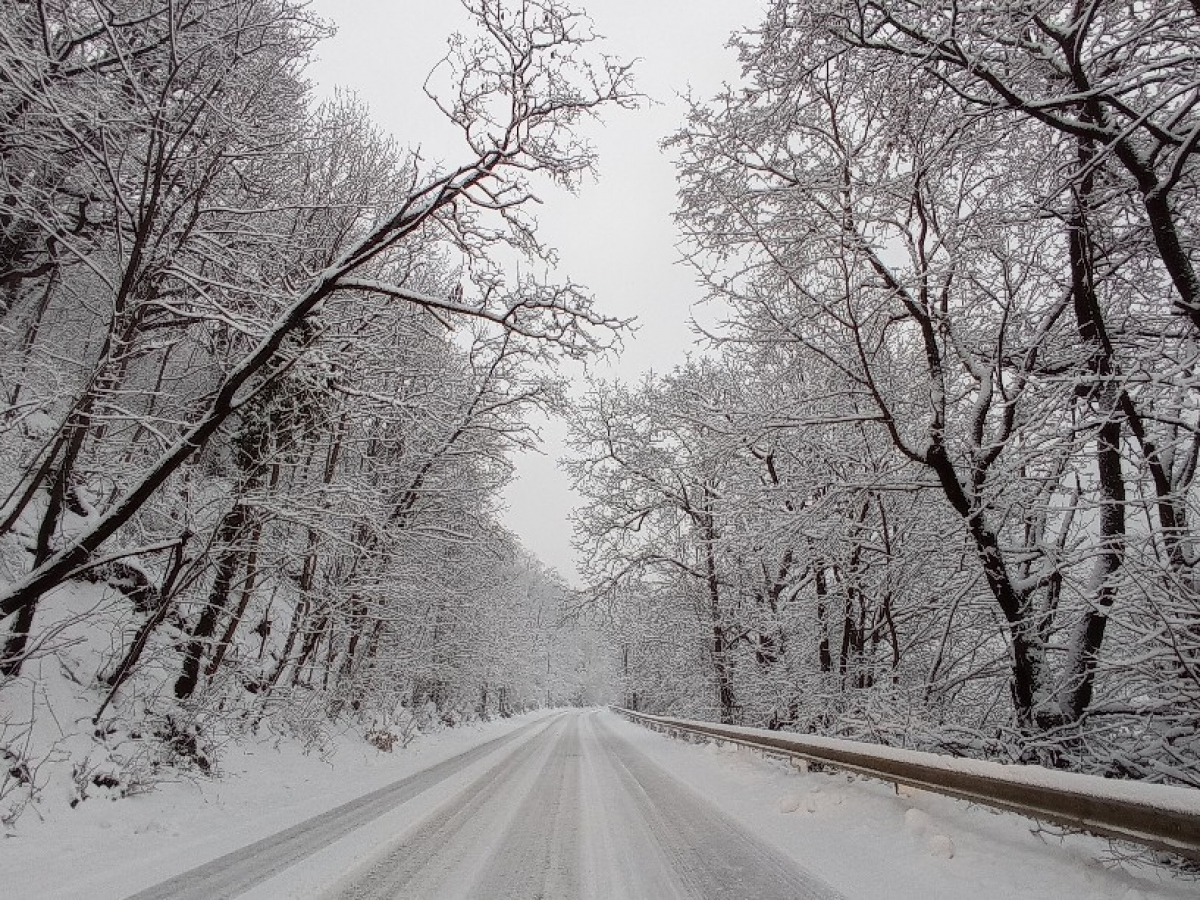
(550, 804)
(563, 808)
(235, 873)
(576, 812)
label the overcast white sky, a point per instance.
(616, 236)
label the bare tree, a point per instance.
(518, 92)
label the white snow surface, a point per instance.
(562, 804)
(869, 840)
(110, 849)
(1159, 796)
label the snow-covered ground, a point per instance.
(583, 804)
(103, 849)
(575, 812)
(867, 840)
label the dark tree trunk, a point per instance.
(247, 592)
(725, 696)
(824, 652)
(1024, 637)
(1080, 676)
(134, 653)
(206, 626)
(60, 484)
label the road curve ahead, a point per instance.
(576, 812)
(562, 809)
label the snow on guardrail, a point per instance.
(1156, 815)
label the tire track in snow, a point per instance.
(577, 812)
(574, 811)
(237, 872)
(444, 855)
(540, 855)
(710, 855)
(622, 859)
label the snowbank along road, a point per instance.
(563, 808)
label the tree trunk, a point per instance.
(1027, 650)
(1080, 672)
(60, 483)
(138, 646)
(247, 592)
(725, 696)
(227, 565)
(824, 652)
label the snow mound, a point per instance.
(918, 821)
(941, 847)
(789, 803)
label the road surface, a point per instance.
(561, 809)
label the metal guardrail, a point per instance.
(1154, 815)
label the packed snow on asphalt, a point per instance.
(558, 804)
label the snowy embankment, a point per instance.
(1158, 815)
(869, 840)
(118, 847)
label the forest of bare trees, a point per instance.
(932, 483)
(929, 480)
(261, 369)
